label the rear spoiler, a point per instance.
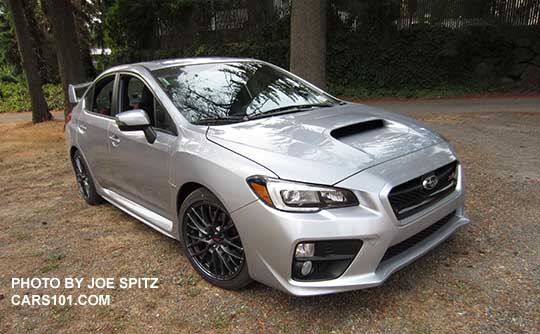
(76, 92)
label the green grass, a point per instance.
(193, 292)
(222, 321)
(52, 262)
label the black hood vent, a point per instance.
(357, 128)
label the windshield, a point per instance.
(234, 92)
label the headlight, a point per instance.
(299, 197)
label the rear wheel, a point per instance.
(85, 182)
(211, 241)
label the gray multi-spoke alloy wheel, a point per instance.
(85, 183)
(211, 241)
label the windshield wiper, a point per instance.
(290, 109)
(268, 113)
(220, 120)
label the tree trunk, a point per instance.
(82, 20)
(308, 40)
(29, 62)
(68, 46)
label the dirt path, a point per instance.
(17, 117)
(482, 280)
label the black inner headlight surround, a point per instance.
(330, 260)
(300, 197)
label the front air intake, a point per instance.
(357, 128)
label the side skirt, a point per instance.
(150, 218)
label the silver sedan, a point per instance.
(261, 175)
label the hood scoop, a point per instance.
(380, 139)
(357, 128)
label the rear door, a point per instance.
(140, 170)
(96, 117)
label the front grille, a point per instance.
(415, 239)
(411, 197)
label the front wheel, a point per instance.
(211, 241)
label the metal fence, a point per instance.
(234, 14)
(236, 20)
(457, 13)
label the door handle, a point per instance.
(82, 128)
(115, 141)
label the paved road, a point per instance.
(517, 104)
(24, 117)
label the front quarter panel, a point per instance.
(220, 170)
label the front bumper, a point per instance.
(269, 236)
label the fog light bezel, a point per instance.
(330, 260)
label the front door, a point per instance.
(140, 170)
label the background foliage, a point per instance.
(14, 97)
(375, 47)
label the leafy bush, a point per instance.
(8, 73)
(14, 97)
(54, 95)
(423, 61)
(409, 62)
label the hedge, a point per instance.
(423, 60)
(14, 97)
(419, 59)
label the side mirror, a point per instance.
(136, 120)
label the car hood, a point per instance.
(324, 145)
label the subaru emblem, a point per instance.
(430, 182)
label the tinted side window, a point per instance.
(136, 95)
(135, 91)
(163, 119)
(103, 93)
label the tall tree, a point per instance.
(29, 62)
(84, 13)
(308, 40)
(68, 46)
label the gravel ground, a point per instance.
(484, 279)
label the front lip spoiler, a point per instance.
(383, 272)
(401, 260)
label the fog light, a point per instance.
(328, 261)
(305, 250)
(306, 268)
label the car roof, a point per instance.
(163, 63)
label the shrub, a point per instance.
(14, 97)
(424, 57)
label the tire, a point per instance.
(85, 182)
(211, 242)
